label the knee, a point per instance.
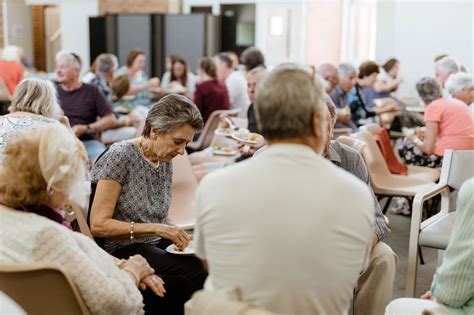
(384, 257)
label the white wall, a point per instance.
(416, 31)
(290, 45)
(18, 26)
(75, 26)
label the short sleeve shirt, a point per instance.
(83, 106)
(146, 191)
(455, 125)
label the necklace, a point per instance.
(142, 151)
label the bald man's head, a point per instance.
(329, 72)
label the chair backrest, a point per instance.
(373, 157)
(80, 215)
(41, 289)
(458, 166)
(354, 143)
(372, 128)
(207, 133)
(182, 210)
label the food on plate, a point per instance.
(223, 148)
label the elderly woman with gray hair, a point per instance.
(461, 87)
(132, 196)
(449, 125)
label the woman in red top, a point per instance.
(11, 71)
(210, 94)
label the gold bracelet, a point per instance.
(131, 231)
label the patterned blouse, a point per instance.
(9, 124)
(146, 191)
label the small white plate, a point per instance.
(223, 150)
(188, 251)
(244, 138)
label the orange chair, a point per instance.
(421, 172)
(384, 183)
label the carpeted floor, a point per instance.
(398, 240)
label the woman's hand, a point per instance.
(153, 82)
(177, 235)
(155, 283)
(138, 266)
(427, 296)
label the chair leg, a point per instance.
(387, 204)
(420, 253)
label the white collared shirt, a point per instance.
(237, 90)
(288, 227)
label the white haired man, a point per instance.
(443, 69)
(290, 244)
(329, 73)
(461, 87)
(82, 104)
(339, 95)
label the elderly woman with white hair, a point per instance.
(133, 184)
(449, 125)
(461, 87)
(444, 68)
(43, 171)
(11, 69)
(34, 106)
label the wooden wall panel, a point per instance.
(132, 6)
(39, 51)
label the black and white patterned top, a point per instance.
(146, 191)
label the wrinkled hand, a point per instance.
(177, 235)
(342, 117)
(139, 265)
(79, 130)
(427, 296)
(411, 138)
(155, 283)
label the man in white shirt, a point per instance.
(235, 83)
(278, 226)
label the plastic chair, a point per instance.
(34, 285)
(458, 166)
(207, 133)
(182, 211)
(384, 183)
(421, 172)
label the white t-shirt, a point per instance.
(237, 90)
(289, 228)
(384, 76)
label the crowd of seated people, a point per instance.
(261, 244)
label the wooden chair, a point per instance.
(207, 133)
(458, 166)
(41, 289)
(182, 212)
